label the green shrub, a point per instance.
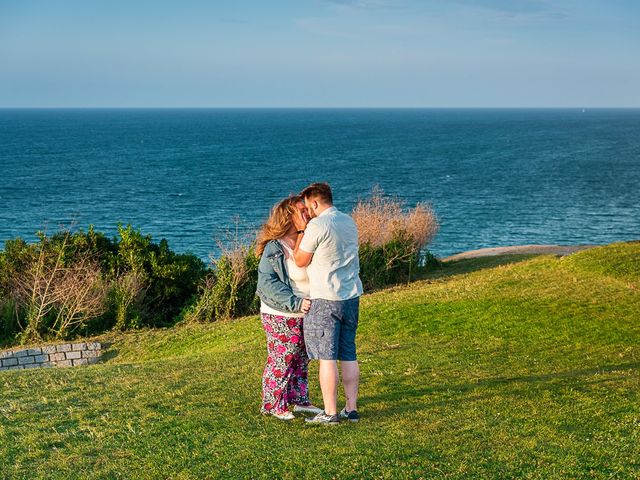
(230, 291)
(126, 299)
(387, 264)
(393, 239)
(9, 317)
(236, 279)
(83, 283)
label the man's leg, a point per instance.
(329, 385)
(322, 334)
(351, 381)
(347, 353)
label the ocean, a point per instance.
(494, 177)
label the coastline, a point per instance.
(560, 250)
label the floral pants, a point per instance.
(284, 380)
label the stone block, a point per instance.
(7, 362)
(47, 356)
(56, 357)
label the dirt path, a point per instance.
(519, 249)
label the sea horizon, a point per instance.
(321, 108)
(495, 176)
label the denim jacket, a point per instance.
(274, 286)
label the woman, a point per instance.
(283, 289)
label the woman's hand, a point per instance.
(299, 221)
(306, 305)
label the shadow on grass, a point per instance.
(405, 399)
(468, 265)
(108, 352)
(459, 267)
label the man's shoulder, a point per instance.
(343, 216)
(344, 220)
(319, 222)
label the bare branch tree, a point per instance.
(82, 295)
(35, 287)
(46, 287)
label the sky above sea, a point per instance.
(320, 53)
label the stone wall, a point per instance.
(65, 355)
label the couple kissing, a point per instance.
(309, 289)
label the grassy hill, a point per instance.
(513, 366)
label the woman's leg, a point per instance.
(273, 383)
(277, 376)
(298, 387)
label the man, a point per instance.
(328, 246)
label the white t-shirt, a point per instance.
(334, 270)
(299, 284)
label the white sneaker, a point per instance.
(284, 415)
(307, 409)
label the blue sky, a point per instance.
(324, 53)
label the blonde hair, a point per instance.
(279, 222)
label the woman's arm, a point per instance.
(276, 293)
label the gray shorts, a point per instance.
(330, 329)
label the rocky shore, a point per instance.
(519, 250)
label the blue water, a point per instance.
(494, 177)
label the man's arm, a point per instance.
(301, 257)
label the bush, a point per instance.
(9, 315)
(82, 283)
(388, 264)
(236, 279)
(154, 283)
(392, 249)
(230, 290)
(126, 299)
(392, 239)
(52, 293)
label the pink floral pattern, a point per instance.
(285, 376)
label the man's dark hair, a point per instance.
(315, 190)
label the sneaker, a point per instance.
(307, 409)
(284, 415)
(324, 419)
(352, 416)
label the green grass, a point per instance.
(503, 367)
